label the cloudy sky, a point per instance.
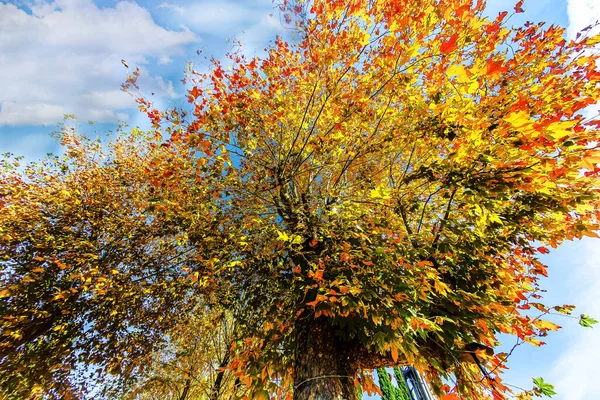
(64, 56)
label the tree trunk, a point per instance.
(216, 388)
(186, 389)
(324, 367)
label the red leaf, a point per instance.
(518, 7)
(497, 395)
(194, 93)
(449, 45)
(543, 250)
(501, 16)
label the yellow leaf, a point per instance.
(440, 287)
(381, 192)
(589, 161)
(296, 239)
(594, 40)
(558, 130)
(365, 39)
(16, 334)
(533, 341)
(494, 218)
(518, 119)
(460, 72)
(282, 236)
(546, 325)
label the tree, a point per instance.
(388, 390)
(194, 364)
(402, 391)
(95, 261)
(374, 192)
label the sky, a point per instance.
(64, 57)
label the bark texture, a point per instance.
(324, 366)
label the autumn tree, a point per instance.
(193, 363)
(373, 192)
(399, 168)
(96, 269)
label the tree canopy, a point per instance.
(374, 191)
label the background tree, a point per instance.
(388, 390)
(95, 262)
(193, 366)
(372, 193)
(402, 392)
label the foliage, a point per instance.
(543, 387)
(95, 261)
(372, 193)
(402, 392)
(389, 391)
(586, 321)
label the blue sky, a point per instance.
(64, 56)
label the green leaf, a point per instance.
(546, 388)
(586, 321)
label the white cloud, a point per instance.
(170, 6)
(582, 13)
(256, 37)
(574, 373)
(64, 57)
(219, 18)
(164, 60)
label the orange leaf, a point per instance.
(451, 396)
(495, 68)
